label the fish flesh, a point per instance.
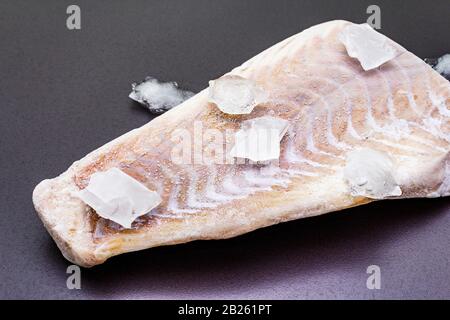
(354, 136)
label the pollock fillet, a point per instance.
(334, 107)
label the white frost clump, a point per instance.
(370, 173)
(158, 96)
(116, 196)
(443, 65)
(370, 47)
(234, 94)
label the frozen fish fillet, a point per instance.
(395, 119)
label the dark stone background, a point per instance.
(64, 93)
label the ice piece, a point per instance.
(259, 139)
(234, 94)
(370, 173)
(370, 47)
(443, 65)
(116, 196)
(432, 62)
(267, 122)
(158, 96)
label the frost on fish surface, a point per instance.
(158, 96)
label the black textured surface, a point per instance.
(64, 93)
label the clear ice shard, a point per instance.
(370, 47)
(259, 139)
(235, 94)
(371, 173)
(116, 196)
